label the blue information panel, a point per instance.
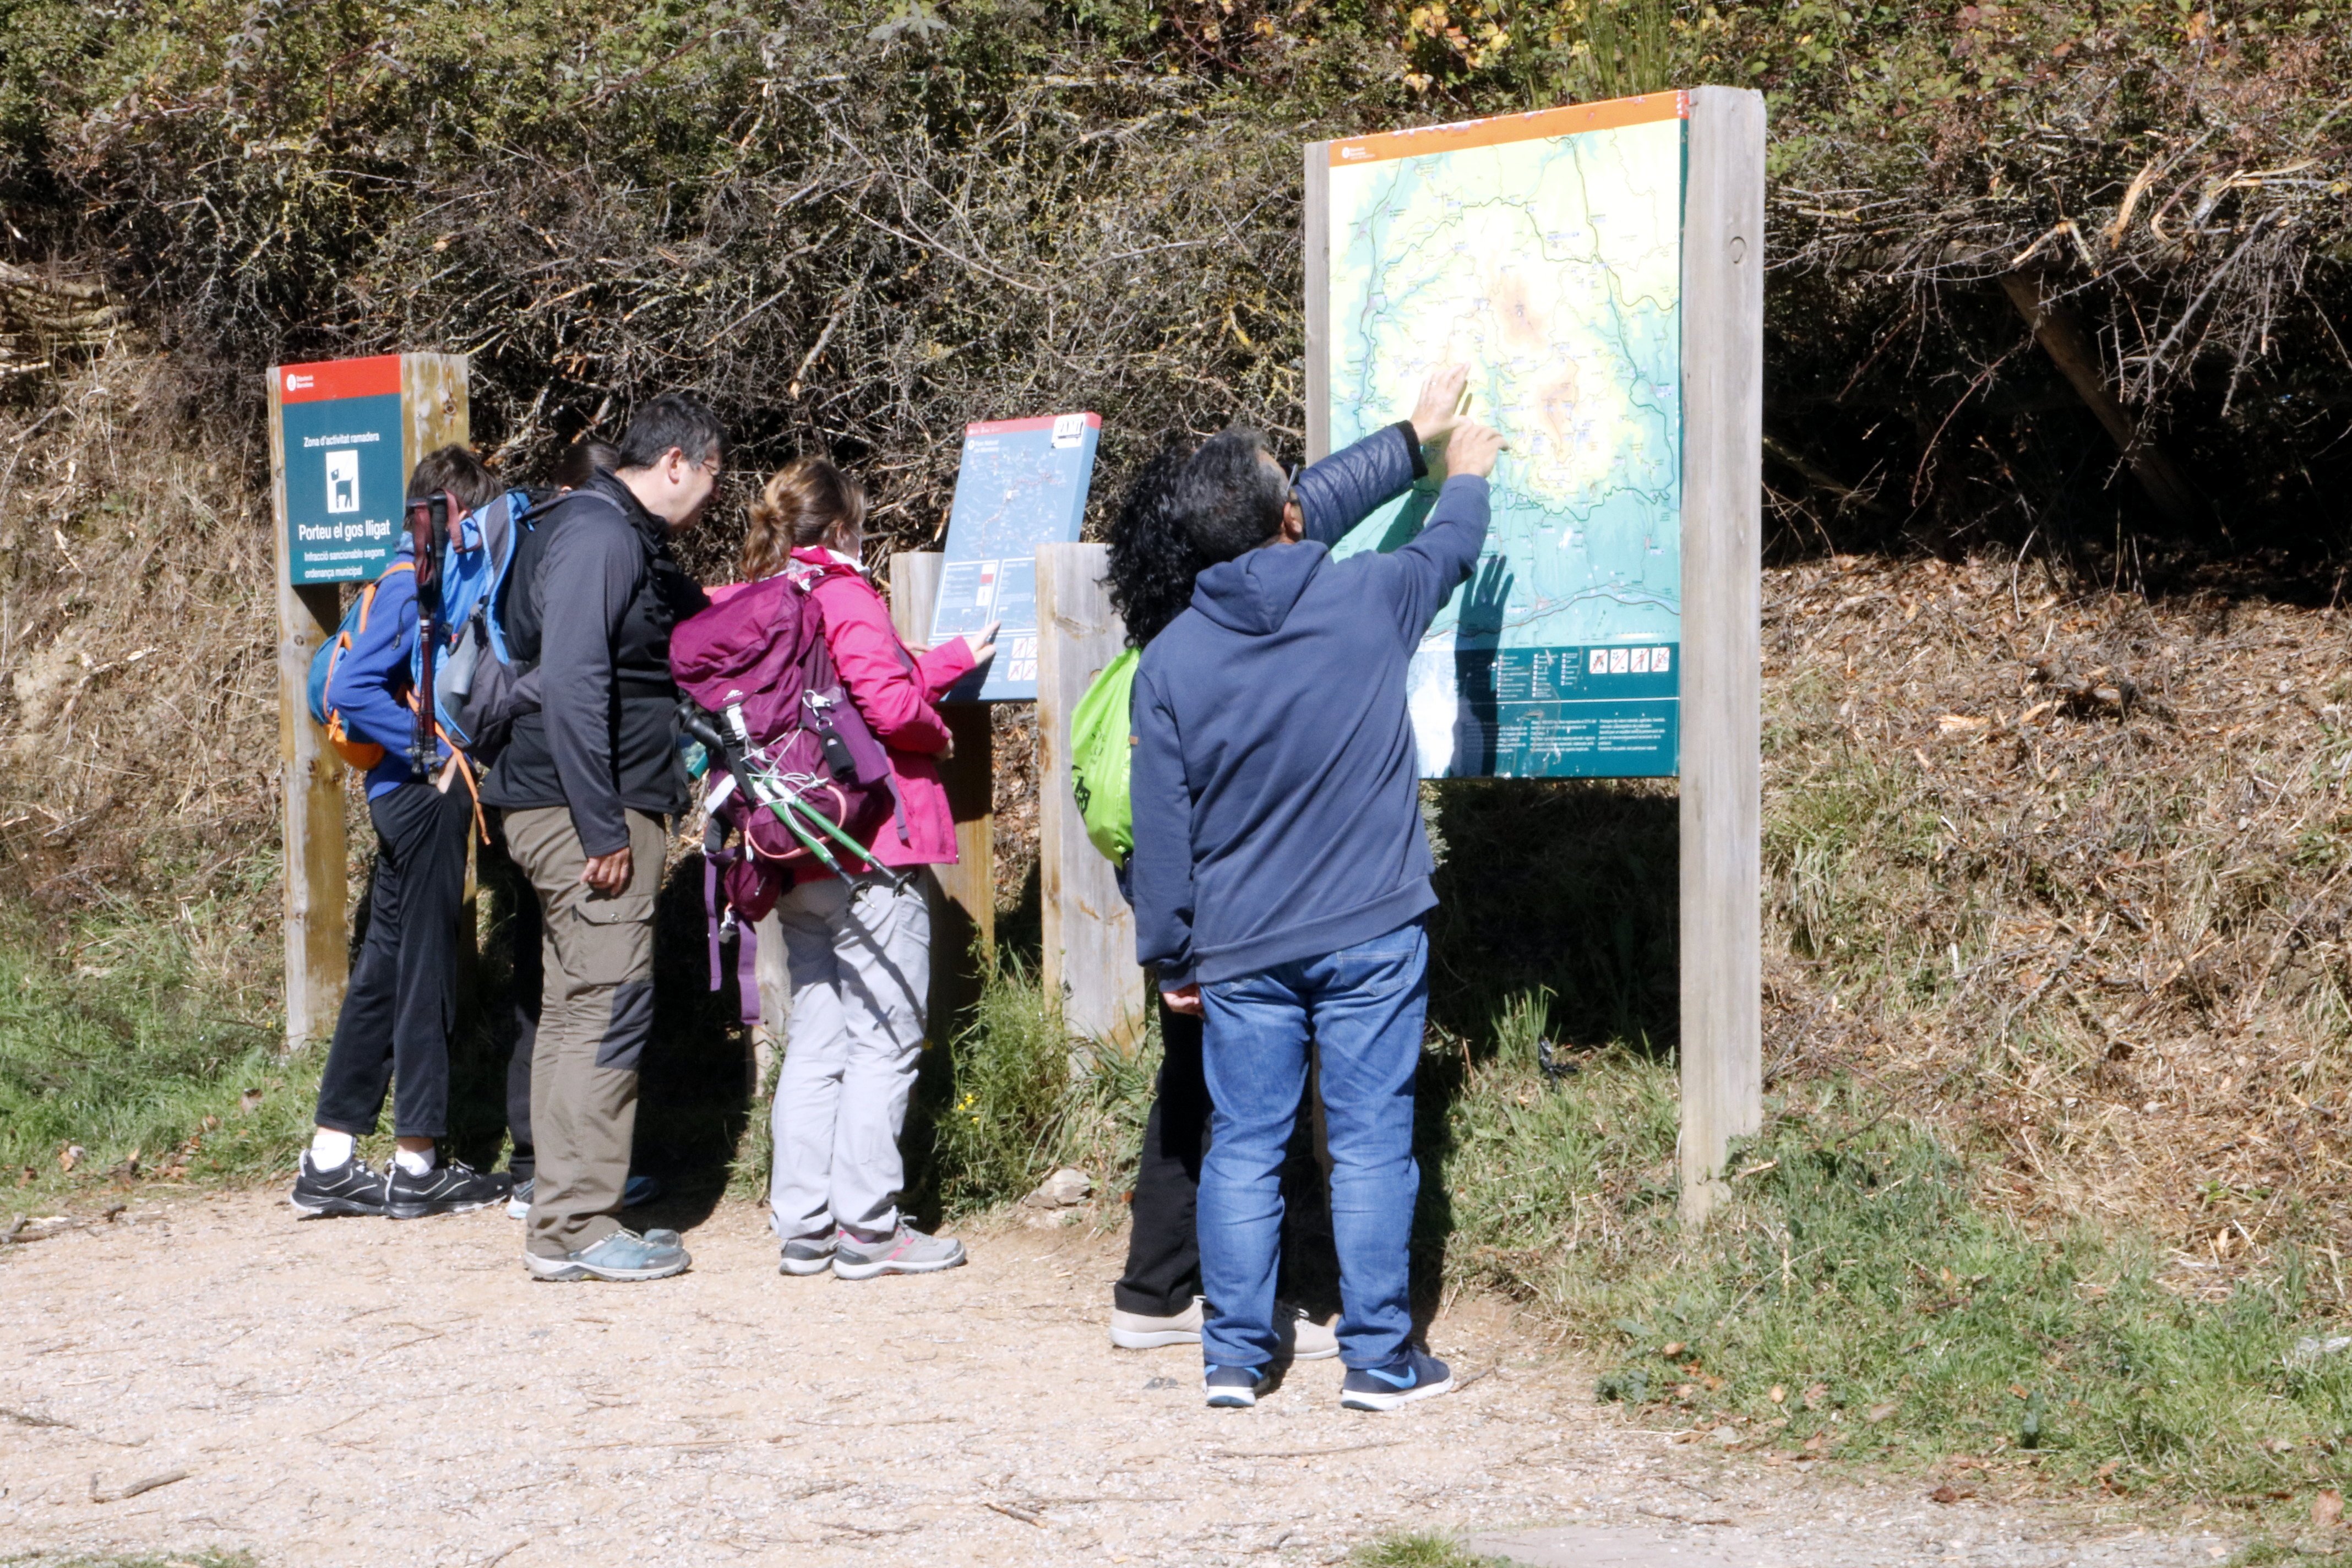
(340, 422)
(1023, 483)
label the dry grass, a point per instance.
(2064, 869)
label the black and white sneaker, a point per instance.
(352, 1187)
(454, 1188)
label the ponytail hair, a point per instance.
(807, 501)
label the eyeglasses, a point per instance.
(1290, 483)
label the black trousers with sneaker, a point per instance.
(401, 1002)
(1163, 1242)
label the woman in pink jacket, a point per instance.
(858, 951)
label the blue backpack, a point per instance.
(477, 691)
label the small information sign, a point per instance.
(1023, 483)
(340, 424)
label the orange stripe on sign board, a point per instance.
(328, 379)
(1501, 128)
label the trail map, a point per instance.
(1022, 483)
(1545, 252)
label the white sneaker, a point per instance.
(1141, 1331)
(1299, 1337)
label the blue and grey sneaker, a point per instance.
(1234, 1387)
(1416, 1375)
(640, 1190)
(809, 1254)
(622, 1256)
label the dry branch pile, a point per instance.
(2071, 871)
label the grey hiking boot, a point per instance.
(621, 1255)
(1299, 1337)
(808, 1254)
(904, 1251)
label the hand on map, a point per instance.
(1438, 412)
(1473, 449)
(982, 643)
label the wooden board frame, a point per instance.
(435, 412)
(1720, 804)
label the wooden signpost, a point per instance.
(343, 435)
(1723, 572)
(1090, 946)
(963, 905)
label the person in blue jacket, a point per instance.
(1153, 562)
(1281, 875)
(401, 1003)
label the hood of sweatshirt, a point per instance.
(1253, 593)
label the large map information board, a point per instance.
(1544, 251)
(1023, 484)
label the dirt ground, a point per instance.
(365, 1392)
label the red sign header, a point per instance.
(1042, 422)
(334, 378)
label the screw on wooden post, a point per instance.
(964, 895)
(1089, 931)
(1723, 457)
(433, 412)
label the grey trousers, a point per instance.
(596, 1012)
(860, 961)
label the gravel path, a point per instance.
(369, 1393)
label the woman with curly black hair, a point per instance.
(1155, 555)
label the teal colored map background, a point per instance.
(1552, 268)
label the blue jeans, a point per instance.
(1364, 1006)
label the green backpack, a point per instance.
(1100, 738)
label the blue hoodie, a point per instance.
(1276, 783)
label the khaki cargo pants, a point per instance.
(595, 1015)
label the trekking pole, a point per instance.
(428, 529)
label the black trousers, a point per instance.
(526, 980)
(401, 1002)
(1163, 1242)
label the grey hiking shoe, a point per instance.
(904, 1251)
(808, 1254)
(621, 1255)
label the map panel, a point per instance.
(1545, 252)
(1022, 483)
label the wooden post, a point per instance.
(433, 412)
(1316, 242)
(1090, 946)
(964, 902)
(1721, 807)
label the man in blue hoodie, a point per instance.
(1281, 875)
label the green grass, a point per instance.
(120, 1044)
(1855, 1303)
(1420, 1552)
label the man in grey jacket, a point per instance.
(586, 786)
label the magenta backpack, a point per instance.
(795, 768)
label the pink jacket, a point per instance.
(898, 693)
